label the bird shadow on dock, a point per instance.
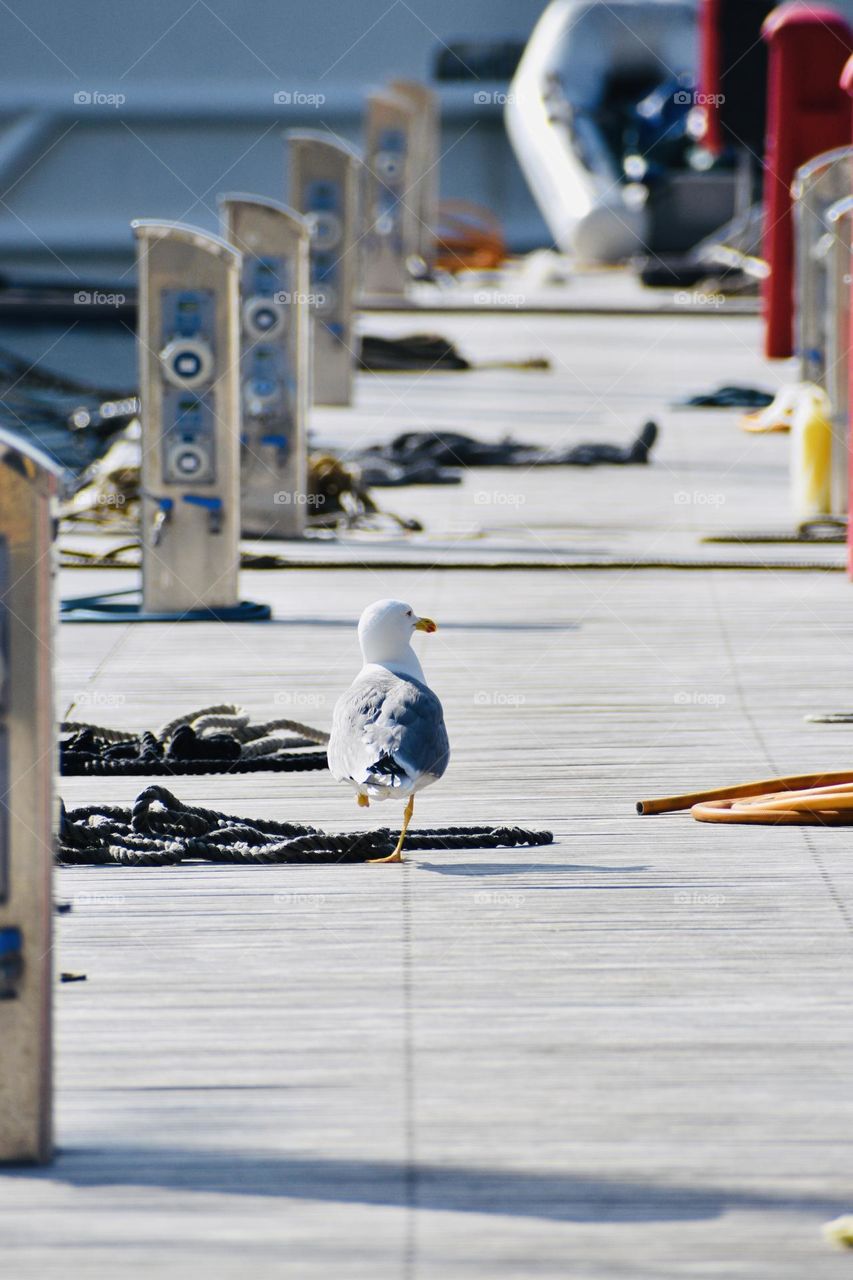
(559, 1197)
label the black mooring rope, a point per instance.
(218, 739)
(161, 830)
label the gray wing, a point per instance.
(388, 731)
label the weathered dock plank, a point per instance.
(625, 1055)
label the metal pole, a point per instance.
(390, 222)
(323, 186)
(274, 372)
(837, 247)
(189, 379)
(818, 184)
(425, 164)
(28, 483)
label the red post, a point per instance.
(710, 19)
(807, 112)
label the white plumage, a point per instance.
(388, 735)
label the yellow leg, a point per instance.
(363, 801)
(397, 855)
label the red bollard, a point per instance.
(807, 112)
(710, 20)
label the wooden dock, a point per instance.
(623, 1056)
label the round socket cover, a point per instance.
(326, 229)
(187, 362)
(188, 461)
(263, 317)
(389, 166)
(260, 392)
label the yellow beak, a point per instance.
(426, 624)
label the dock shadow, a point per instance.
(559, 1197)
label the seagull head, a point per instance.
(385, 630)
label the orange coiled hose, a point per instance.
(806, 799)
(469, 237)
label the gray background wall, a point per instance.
(199, 117)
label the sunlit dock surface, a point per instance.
(625, 1055)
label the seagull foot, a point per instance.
(397, 855)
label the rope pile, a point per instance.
(217, 739)
(108, 498)
(415, 351)
(428, 457)
(342, 498)
(162, 831)
(728, 397)
(424, 352)
(824, 530)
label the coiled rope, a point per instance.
(161, 830)
(217, 739)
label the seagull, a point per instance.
(388, 736)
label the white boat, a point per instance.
(585, 66)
